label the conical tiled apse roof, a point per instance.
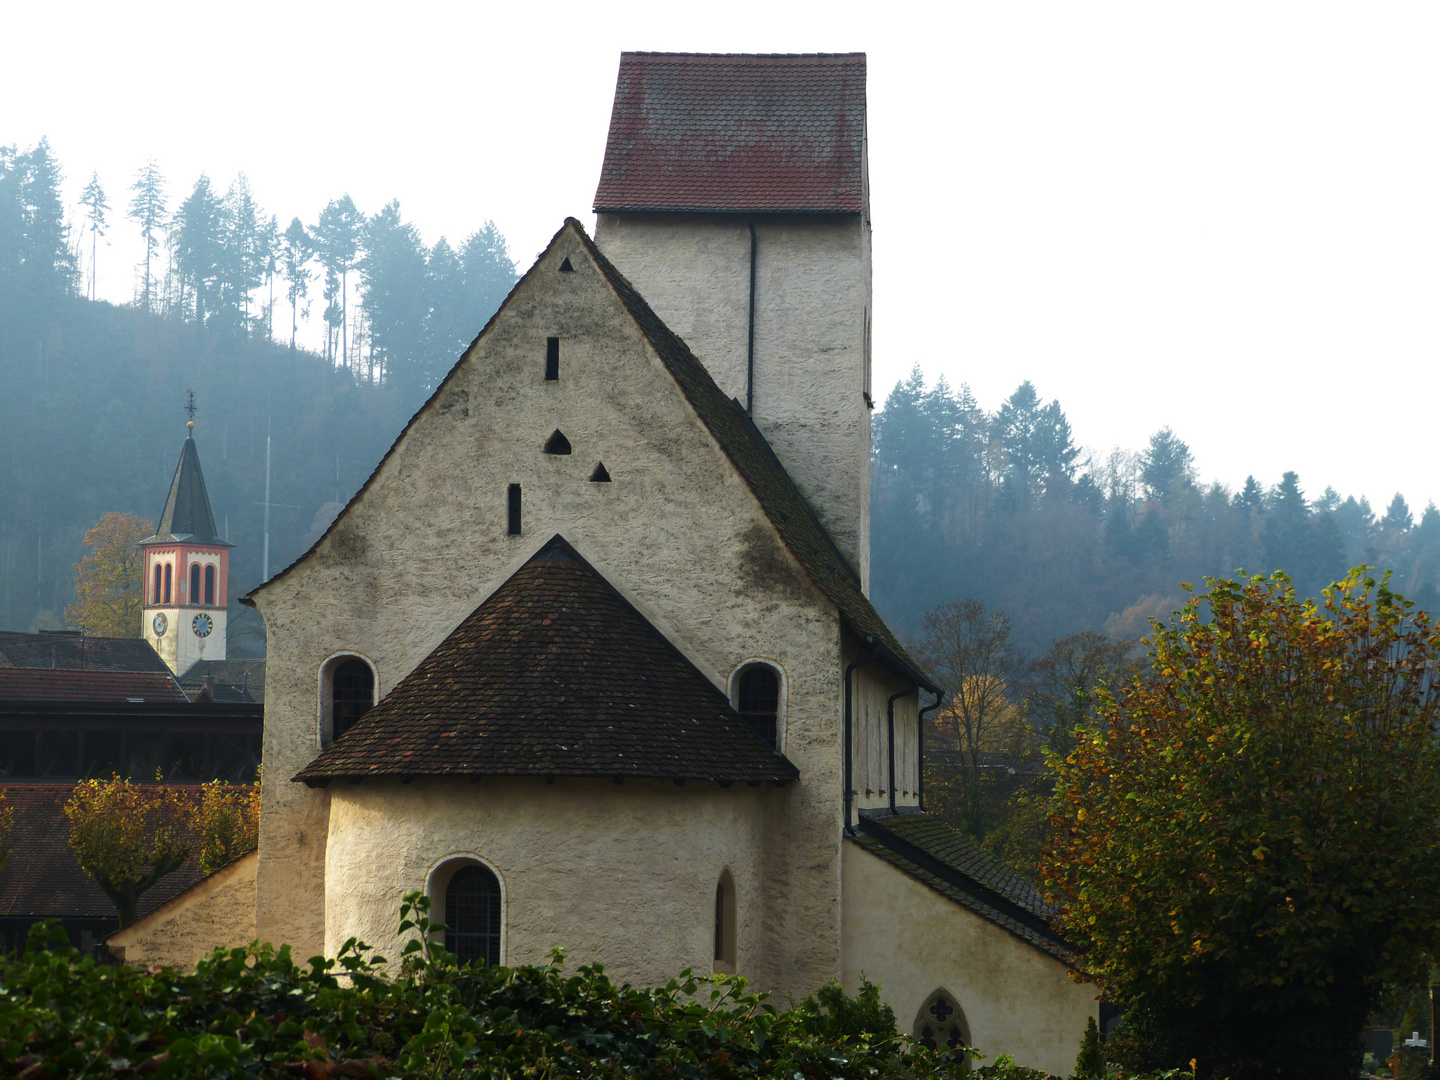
(555, 674)
(187, 515)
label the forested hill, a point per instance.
(92, 394)
(1004, 507)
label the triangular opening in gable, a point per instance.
(557, 443)
(601, 475)
(565, 267)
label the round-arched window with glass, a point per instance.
(472, 915)
(352, 693)
(759, 700)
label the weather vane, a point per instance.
(190, 407)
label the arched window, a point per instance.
(168, 574)
(352, 693)
(156, 599)
(194, 583)
(725, 924)
(941, 1025)
(472, 913)
(758, 700)
(210, 585)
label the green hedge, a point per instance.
(254, 1012)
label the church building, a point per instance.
(590, 656)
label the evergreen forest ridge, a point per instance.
(1002, 506)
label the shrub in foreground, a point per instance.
(254, 1012)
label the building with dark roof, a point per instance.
(590, 656)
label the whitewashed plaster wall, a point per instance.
(912, 941)
(678, 532)
(217, 911)
(621, 875)
(812, 319)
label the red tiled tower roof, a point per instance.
(736, 133)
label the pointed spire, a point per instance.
(187, 514)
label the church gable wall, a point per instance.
(912, 941)
(812, 317)
(621, 875)
(676, 530)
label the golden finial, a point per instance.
(190, 424)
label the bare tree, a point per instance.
(968, 649)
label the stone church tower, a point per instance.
(734, 195)
(187, 572)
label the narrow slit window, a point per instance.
(565, 267)
(210, 585)
(514, 510)
(169, 575)
(194, 596)
(156, 593)
(557, 443)
(725, 924)
(600, 475)
(552, 359)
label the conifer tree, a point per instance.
(97, 207)
(199, 242)
(337, 247)
(48, 263)
(147, 209)
(296, 251)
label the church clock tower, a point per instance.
(187, 572)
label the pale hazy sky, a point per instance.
(1224, 218)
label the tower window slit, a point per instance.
(194, 596)
(169, 574)
(514, 524)
(210, 586)
(552, 359)
(156, 592)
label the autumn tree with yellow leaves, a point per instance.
(968, 650)
(129, 836)
(109, 592)
(1247, 850)
(229, 823)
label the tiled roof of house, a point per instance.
(955, 866)
(44, 684)
(555, 674)
(736, 133)
(187, 515)
(41, 878)
(69, 650)
(236, 680)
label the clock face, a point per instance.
(202, 625)
(160, 624)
